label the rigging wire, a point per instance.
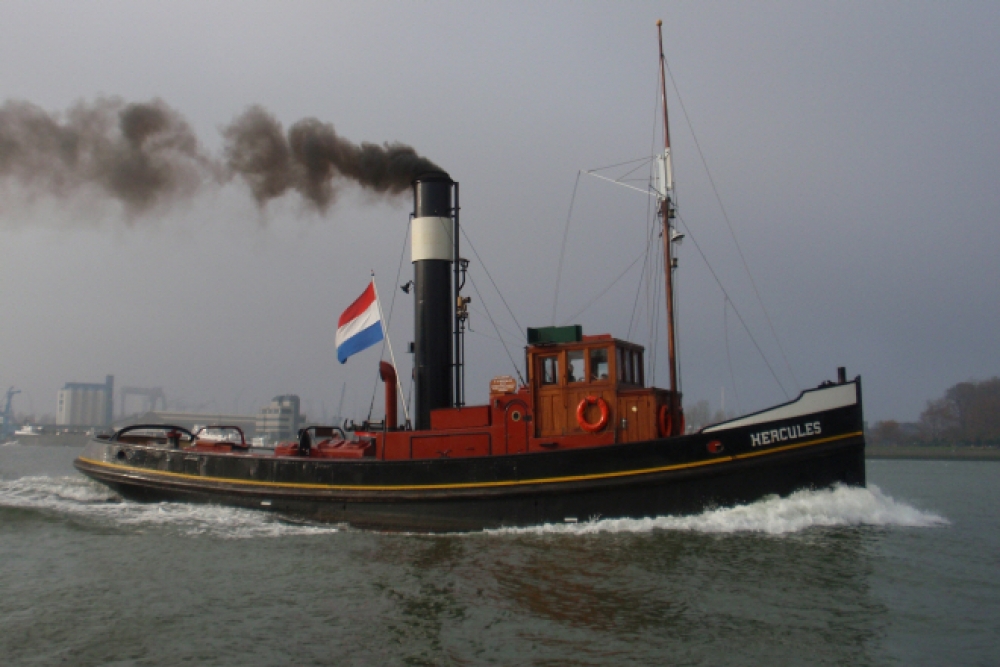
(653, 310)
(625, 176)
(593, 172)
(643, 278)
(490, 318)
(510, 334)
(652, 277)
(562, 250)
(492, 282)
(392, 304)
(622, 164)
(735, 310)
(729, 358)
(653, 300)
(732, 232)
(646, 277)
(604, 291)
(487, 336)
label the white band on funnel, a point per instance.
(432, 238)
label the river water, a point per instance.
(905, 572)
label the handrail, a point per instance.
(150, 427)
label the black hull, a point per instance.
(667, 476)
(677, 493)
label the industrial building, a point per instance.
(280, 420)
(86, 404)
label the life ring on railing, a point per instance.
(666, 422)
(581, 418)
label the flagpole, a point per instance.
(385, 332)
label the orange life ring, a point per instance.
(581, 418)
(663, 421)
(666, 422)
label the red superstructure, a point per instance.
(588, 392)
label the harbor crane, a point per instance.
(7, 428)
(152, 396)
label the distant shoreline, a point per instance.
(926, 453)
(51, 440)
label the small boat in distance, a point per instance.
(28, 430)
(582, 436)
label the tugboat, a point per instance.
(581, 437)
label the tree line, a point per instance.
(967, 414)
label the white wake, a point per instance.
(80, 498)
(840, 506)
(834, 507)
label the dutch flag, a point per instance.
(359, 326)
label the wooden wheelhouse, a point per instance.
(601, 374)
(563, 376)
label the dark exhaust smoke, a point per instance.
(146, 155)
(138, 154)
(312, 158)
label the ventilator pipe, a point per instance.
(388, 375)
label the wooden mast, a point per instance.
(666, 214)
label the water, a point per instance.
(905, 572)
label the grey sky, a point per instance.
(855, 147)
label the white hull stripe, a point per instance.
(808, 403)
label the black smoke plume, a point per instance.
(146, 155)
(138, 154)
(312, 158)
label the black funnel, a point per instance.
(432, 251)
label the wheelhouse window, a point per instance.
(575, 369)
(637, 367)
(550, 370)
(629, 366)
(599, 363)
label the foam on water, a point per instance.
(81, 498)
(834, 507)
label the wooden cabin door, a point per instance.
(637, 420)
(516, 427)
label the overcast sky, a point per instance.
(854, 145)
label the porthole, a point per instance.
(516, 415)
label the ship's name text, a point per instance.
(785, 433)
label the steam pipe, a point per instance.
(458, 345)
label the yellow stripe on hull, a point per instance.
(467, 485)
